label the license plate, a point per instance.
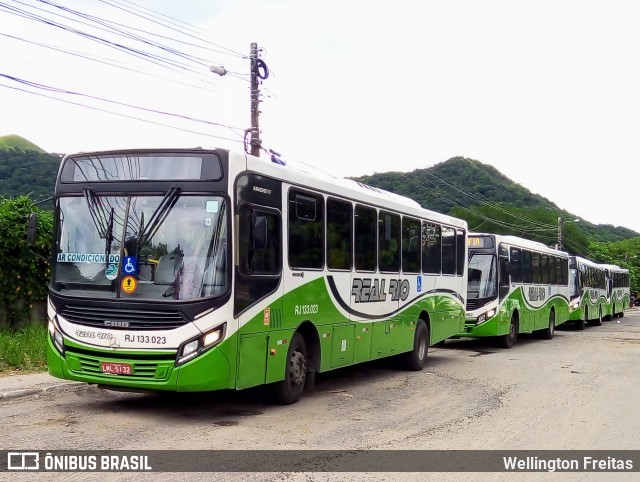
(116, 368)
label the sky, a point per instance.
(548, 92)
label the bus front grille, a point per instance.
(117, 318)
(140, 369)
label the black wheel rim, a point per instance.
(297, 369)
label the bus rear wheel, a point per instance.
(415, 359)
(548, 332)
(289, 390)
(598, 321)
(508, 340)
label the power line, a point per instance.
(121, 115)
(106, 61)
(172, 21)
(102, 99)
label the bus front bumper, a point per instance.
(491, 327)
(207, 372)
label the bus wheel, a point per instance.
(548, 333)
(508, 340)
(580, 324)
(289, 390)
(415, 359)
(598, 321)
(621, 314)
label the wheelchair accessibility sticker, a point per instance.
(129, 265)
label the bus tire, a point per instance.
(289, 390)
(550, 330)
(580, 324)
(415, 359)
(621, 315)
(598, 321)
(508, 340)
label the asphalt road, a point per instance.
(579, 390)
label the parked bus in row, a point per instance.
(198, 270)
(590, 292)
(514, 286)
(618, 290)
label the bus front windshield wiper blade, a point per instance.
(97, 211)
(109, 236)
(159, 215)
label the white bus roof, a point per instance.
(615, 267)
(522, 243)
(307, 177)
(588, 262)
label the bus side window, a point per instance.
(448, 251)
(389, 242)
(339, 234)
(516, 266)
(431, 249)
(366, 235)
(410, 245)
(461, 250)
(527, 273)
(306, 230)
(259, 242)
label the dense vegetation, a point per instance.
(468, 187)
(24, 270)
(27, 172)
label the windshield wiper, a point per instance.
(159, 215)
(109, 236)
(96, 209)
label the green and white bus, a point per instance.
(590, 292)
(618, 290)
(514, 286)
(199, 270)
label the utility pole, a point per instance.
(560, 223)
(255, 100)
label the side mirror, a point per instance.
(32, 229)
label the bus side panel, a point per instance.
(252, 364)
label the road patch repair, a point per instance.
(15, 387)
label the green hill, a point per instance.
(27, 172)
(17, 143)
(490, 201)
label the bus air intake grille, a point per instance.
(474, 304)
(117, 318)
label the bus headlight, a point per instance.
(56, 336)
(485, 316)
(575, 304)
(197, 346)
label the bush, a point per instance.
(24, 271)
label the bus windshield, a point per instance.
(482, 276)
(170, 247)
(574, 288)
